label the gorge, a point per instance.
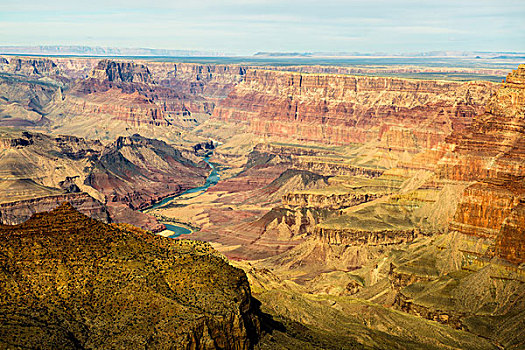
(327, 210)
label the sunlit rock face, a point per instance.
(491, 152)
(402, 114)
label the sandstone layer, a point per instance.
(491, 152)
(402, 114)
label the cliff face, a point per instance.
(74, 282)
(108, 98)
(403, 114)
(388, 70)
(327, 200)
(212, 81)
(491, 152)
(29, 66)
(510, 242)
(494, 146)
(122, 72)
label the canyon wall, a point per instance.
(403, 114)
(108, 98)
(491, 152)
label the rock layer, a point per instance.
(403, 114)
(491, 152)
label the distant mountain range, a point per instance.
(147, 52)
(103, 51)
(451, 54)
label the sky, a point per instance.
(245, 27)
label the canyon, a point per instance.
(364, 211)
(39, 171)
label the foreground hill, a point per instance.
(68, 281)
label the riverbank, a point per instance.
(175, 229)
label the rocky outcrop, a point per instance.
(403, 114)
(353, 237)
(203, 148)
(74, 282)
(332, 201)
(122, 72)
(328, 168)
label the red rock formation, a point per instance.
(492, 152)
(403, 114)
(365, 237)
(484, 207)
(510, 242)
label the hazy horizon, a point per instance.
(245, 27)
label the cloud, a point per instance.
(246, 26)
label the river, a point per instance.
(212, 179)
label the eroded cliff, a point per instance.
(491, 152)
(403, 114)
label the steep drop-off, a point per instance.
(404, 114)
(492, 152)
